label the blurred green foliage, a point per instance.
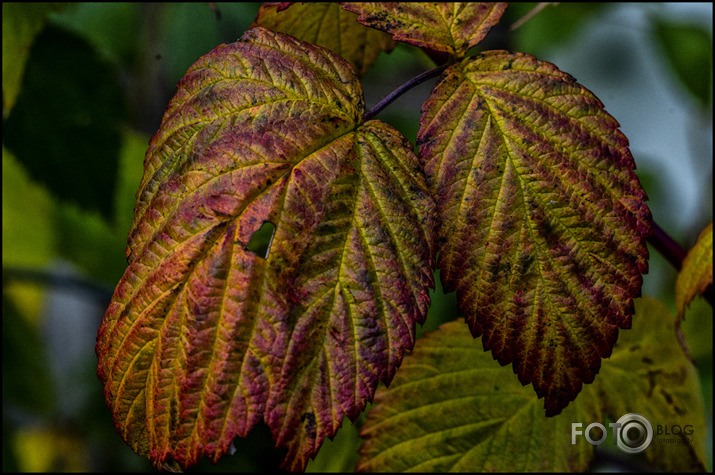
(687, 50)
(84, 88)
(550, 25)
(20, 24)
(59, 130)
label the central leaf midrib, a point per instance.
(567, 281)
(537, 197)
(257, 193)
(597, 177)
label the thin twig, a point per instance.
(403, 89)
(539, 6)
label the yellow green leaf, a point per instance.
(441, 26)
(327, 24)
(29, 238)
(544, 220)
(452, 408)
(649, 374)
(697, 271)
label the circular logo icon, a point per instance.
(634, 433)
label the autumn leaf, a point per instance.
(543, 218)
(697, 271)
(327, 24)
(451, 408)
(442, 26)
(204, 338)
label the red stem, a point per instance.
(403, 89)
(667, 246)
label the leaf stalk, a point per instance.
(403, 89)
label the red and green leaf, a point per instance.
(204, 338)
(327, 24)
(543, 218)
(449, 27)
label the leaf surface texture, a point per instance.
(204, 338)
(543, 218)
(442, 26)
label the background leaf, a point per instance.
(327, 24)
(28, 236)
(21, 21)
(452, 408)
(543, 218)
(650, 375)
(448, 27)
(67, 117)
(697, 271)
(204, 338)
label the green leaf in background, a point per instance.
(649, 374)
(688, 50)
(21, 21)
(28, 235)
(104, 25)
(452, 408)
(66, 121)
(27, 215)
